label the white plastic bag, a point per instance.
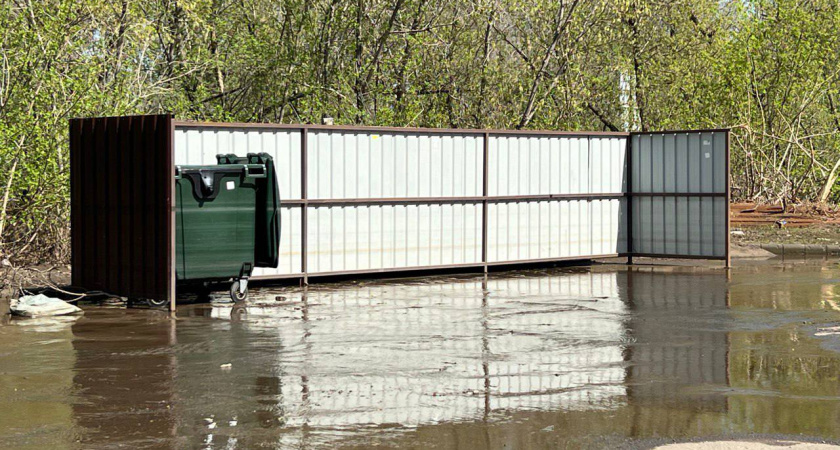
(42, 306)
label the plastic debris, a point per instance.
(226, 366)
(42, 306)
(830, 331)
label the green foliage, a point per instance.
(768, 68)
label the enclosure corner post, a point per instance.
(628, 190)
(484, 193)
(170, 203)
(304, 147)
(728, 201)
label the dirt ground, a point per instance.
(753, 225)
(821, 234)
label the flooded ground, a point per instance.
(600, 357)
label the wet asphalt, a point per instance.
(606, 356)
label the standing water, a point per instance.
(598, 357)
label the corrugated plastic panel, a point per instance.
(541, 165)
(519, 231)
(680, 225)
(692, 164)
(291, 240)
(199, 145)
(679, 162)
(388, 165)
(359, 238)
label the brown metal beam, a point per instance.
(678, 194)
(482, 199)
(445, 200)
(703, 130)
(478, 265)
(676, 256)
(356, 128)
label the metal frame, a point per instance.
(354, 128)
(484, 200)
(727, 194)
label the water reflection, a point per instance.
(406, 356)
(123, 380)
(535, 359)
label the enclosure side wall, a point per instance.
(680, 194)
(374, 200)
(121, 205)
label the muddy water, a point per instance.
(597, 357)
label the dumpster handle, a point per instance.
(255, 170)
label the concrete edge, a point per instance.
(802, 249)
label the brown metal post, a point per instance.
(484, 207)
(728, 200)
(170, 204)
(304, 146)
(629, 197)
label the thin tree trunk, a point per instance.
(829, 182)
(484, 61)
(562, 21)
(6, 201)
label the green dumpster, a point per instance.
(227, 221)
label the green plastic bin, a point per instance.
(227, 221)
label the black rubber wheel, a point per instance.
(157, 303)
(235, 295)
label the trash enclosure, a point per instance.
(379, 199)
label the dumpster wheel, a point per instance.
(157, 303)
(235, 294)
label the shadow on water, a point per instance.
(572, 357)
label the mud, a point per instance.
(580, 358)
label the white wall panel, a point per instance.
(393, 165)
(355, 238)
(200, 145)
(542, 165)
(290, 244)
(521, 231)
